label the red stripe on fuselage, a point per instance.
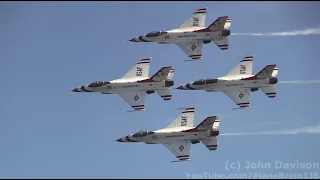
(250, 78)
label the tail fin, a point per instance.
(219, 24)
(266, 72)
(162, 74)
(244, 67)
(197, 19)
(211, 143)
(222, 43)
(185, 119)
(171, 74)
(166, 94)
(141, 69)
(211, 122)
(275, 72)
(270, 91)
(227, 24)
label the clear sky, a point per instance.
(49, 48)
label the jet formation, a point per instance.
(190, 37)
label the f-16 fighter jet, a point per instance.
(239, 82)
(191, 36)
(180, 134)
(134, 85)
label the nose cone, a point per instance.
(133, 40)
(183, 87)
(75, 90)
(120, 140)
(180, 87)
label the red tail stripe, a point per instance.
(146, 59)
(189, 108)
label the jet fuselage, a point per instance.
(182, 35)
(169, 135)
(223, 83)
(120, 85)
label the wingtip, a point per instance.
(243, 107)
(192, 60)
(181, 160)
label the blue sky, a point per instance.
(49, 48)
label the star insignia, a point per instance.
(136, 98)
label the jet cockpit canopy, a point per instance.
(199, 82)
(98, 84)
(142, 133)
(205, 81)
(211, 81)
(155, 33)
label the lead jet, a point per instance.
(180, 134)
(240, 82)
(135, 84)
(191, 36)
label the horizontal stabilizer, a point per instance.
(166, 94)
(270, 91)
(222, 43)
(211, 144)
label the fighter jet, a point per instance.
(239, 82)
(135, 84)
(180, 134)
(191, 36)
